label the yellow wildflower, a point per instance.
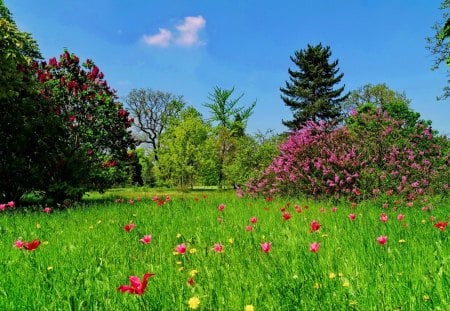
(401, 241)
(231, 240)
(193, 250)
(38, 226)
(193, 273)
(249, 308)
(426, 298)
(178, 235)
(346, 283)
(332, 275)
(194, 302)
(45, 242)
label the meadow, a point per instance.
(212, 250)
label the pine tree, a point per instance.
(310, 93)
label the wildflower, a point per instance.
(351, 216)
(314, 247)
(401, 241)
(129, 227)
(315, 226)
(192, 250)
(31, 246)
(249, 228)
(2, 207)
(146, 239)
(136, 286)
(253, 220)
(410, 204)
(265, 247)
(130, 201)
(194, 302)
(345, 283)
(249, 308)
(181, 248)
(191, 282)
(383, 217)
(441, 225)
(18, 244)
(193, 273)
(231, 240)
(218, 248)
(382, 239)
(333, 209)
(400, 217)
(11, 204)
(332, 275)
(167, 198)
(286, 216)
(221, 207)
(178, 235)
(38, 226)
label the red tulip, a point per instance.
(218, 248)
(136, 286)
(351, 216)
(315, 226)
(253, 220)
(221, 207)
(31, 246)
(383, 217)
(129, 227)
(441, 225)
(382, 239)
(265, 247)
(181, 249)
(286, 216)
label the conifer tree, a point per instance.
(309, 92)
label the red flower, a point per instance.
(382, 239)
(286, 216)
(253, 220)
(314, 247)
(441, 225)
(129, 227)
(181, 249)
(191, 282)
(265, 247)
(218, 248)
(383, 217)
(315, 226)
(31, 246)
(249, 228)
(136, 286)
(351, 216)
(221, 207)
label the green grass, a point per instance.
(86, 255)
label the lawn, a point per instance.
(212, 250)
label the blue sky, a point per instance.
(187, 47)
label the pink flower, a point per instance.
(130, 201)
(181, 249)
(31, 246)
(382, 239)
(253, 220)
(221, 207)
(155, 198)
(286, 216)
(146, 239)
(400, 217)
(218, 248)
(249, 228)
(314, 247)
(136, 286)
(351, 216)
(11, 204)
(384, 217)
(333, 209)
(129, 227)
(19, 244)
(265, 247)
(167, 198)
(47, 210)
(2, 207)
(315, 226)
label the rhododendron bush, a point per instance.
(92, 127)
(371, 154)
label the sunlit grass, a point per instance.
(86, 254)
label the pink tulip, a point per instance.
(47, 210)
(253, 220)
(384, 217)
(351, 216)
(221, 207)
(19, 244)
(249, 228)
(400, 217)
(31, 246)
(181, 249)
(314, 247)
(129, 227)
(2, 207)
(265, 247)
(146, 239)
(382, 239)
(136, 286)
(11, 204)
(218, 248)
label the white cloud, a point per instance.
(163, 38)
(188, 31)
(187, 34)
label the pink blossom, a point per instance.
(314, 247)
(221, 207)
(11, 204)
(253, 220)
(382, 239)
(19, 244)
(218, 248)
(2, 207)
(286, 216)
(383, 217)
(351, 216)
(400, 217)
(265, 247)
(181, 249)
(314, 226)
(146, 239)
(47, 210)
(249, 228)
(129, 227)
(333, 209)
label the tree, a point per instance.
(232, 121)
(25, 131)
(182, 148)
(439, 45)
(309, 92)
(91, 146)
(151, 111)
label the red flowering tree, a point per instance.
(90, 149)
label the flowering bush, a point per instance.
(371, 154)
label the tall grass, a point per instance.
(86, 254)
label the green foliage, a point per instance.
(309, 92)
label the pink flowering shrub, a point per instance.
(371, 154)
